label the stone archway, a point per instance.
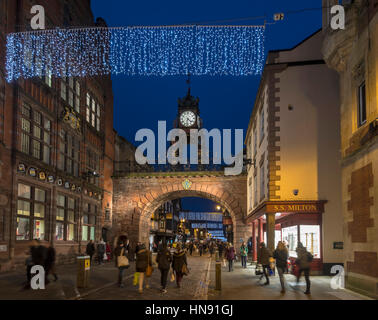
(137, 196)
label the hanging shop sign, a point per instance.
(50, 179)
(301, 207)
(21, 168)
(67, 185)
(32, 172)
(59, 182)
(42, 176)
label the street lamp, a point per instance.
(218, 207)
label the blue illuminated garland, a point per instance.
(144, 51)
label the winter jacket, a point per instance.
(179, 259)
(101, 248)
(303, 258)
(230, 253)
(164, 259)
(143, 259)
(281, 257)
(243, 251)
(38, 255)
(264, 255)
(90, 249)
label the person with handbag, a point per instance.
(263, 258)
(143, 265)
(164, 260)
(121, 260)
(281, 254)
(230, 256)
(179, 264)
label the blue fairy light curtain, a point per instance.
(143, 51)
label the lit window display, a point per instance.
(277, 237)
(310, 238)
(290, 235)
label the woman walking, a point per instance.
(230, 256)
(143, 260)
(243, 255)
(304, 259)
(164, 260)
(263, 258)
(281, 255)
(179, 263)
(121, 260)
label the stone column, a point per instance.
(270, 227)
(254, 241)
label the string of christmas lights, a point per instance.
(144, 51)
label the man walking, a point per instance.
(304, 259)
(263, 258)
(164, 260)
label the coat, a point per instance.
(179, 259)
(164, 259)
(143, 259)
(243, 251)
(101, 248)
(264, 255)
(230, 253)
(281, 257)
(90, 249)
(303, 258)
(38, 255)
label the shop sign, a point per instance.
(42, 176)
(32, 172)
(21, 168)
(60, 182)
(3, 248)
(67, 185)
(168, 216)
(51, 179)
(292, 208)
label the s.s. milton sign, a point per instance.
(309, 208)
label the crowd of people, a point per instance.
(172, 260)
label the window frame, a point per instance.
(93, 115)
(87, 211)
(70, 142)
(361, 105)
(66, 222)
(70, 87)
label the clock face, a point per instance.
(187, 118)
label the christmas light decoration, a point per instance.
(204, 216)
(144, 51)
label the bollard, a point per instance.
(217, 256)
(218, 276)
(83, 270)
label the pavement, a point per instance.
(241, 284)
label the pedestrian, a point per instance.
(164, 260)
(281, 254)
(108, 251)
(38, 256)
(101, 251)
(211, 249)
(200, 248)
(191, 245)
(122, 250)
(243, 255)
(50, 263)
(143, 260)
(263, 259)
(179, 264)
(230, 256)
(90, 251)
(220, 249)
(304, 259)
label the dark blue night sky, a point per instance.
(225, 102)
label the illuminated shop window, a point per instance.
(310, 238)
(66, 219)
(290, 235)
(89, 222)
(31, 213)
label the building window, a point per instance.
(69, 150)
(361, 104)
(88, 229)
(93, 112)
(35, 134)
(262, 125)
(254, 143)
(255, 189)
(262, 182)
(70, 92)
(93, 166)
(66, 219)
(31, 213)
(2, 225)
(310, 238)
(250, 193)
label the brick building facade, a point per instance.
(353, 53)
(56, 148)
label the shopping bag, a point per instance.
(185, 270)
(259, 270)
(122, 260)
(105, 257)
(173, 278)
(136, 278)
(149, 271)
(224, 263)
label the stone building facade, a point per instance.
(353, 53)
(292, 141)
(56, 148)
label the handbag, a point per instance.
(259, 270)
(122, 260)
(184, 269)
(173, 278)
(136, 278)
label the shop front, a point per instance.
(291, 222)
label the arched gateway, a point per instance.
(137, 195)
